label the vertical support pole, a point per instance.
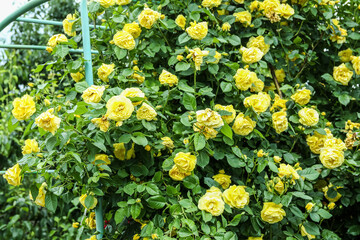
(99, 219)
(89, 79)
(86, 42)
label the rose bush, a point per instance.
(207, 120)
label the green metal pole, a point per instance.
(37, 47)
(48, 22)
(12, 17)
(89, 79)
(86, 42)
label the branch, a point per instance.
(271, 67)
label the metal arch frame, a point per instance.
(15, 16)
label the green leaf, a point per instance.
(182, 66)
(156, 202)
(50, 143)
(227, 131)
(51, 201)
(327, 77)
(89, 201)
(236, 220)
(120, 215)
(135, 210)
(152, 189)
(140, 140)
(125, 138)
(344, 99)
(61, 50)
(185, 87)
(93, 7)
(354, 35)
(11, 126)
(213, 68)
(100, 145)
(234, 161)
(39, 68)
(189, 101)
(311, 228)
(120, 53)
(191, 182)
(183, 38)
(315, 217)
(273, 167)
(81, 86)
(203, 159)
(226, 86)
(234, 40)
(309, 173)
(324, 214)
(301, 195)
(199, 141)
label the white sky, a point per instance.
(6, 8)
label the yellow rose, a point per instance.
(179, 57)
(331, 206)
(243, 17)
(24, 107)
(331, 157)
(168, 78)
(286, 170)
(104, 71)
(226, 27)
(343, 33)
(334, 199)
(255, 238)
(180, 21)
(356, 64)
(122, 2)
(68, 24)
(239, 1)
(107, 3)
(133, 93)
(236, 196)
(76, 225)
(124, 40)
(77, 77)
(167, 142)
(197, 31)
(217, 57)
(308, 116)
(244, 78)
(12, 175)
(251, 55)
(345, 55)
(102, 123)
(269, 6)
(185, 161)
(177, 175)
(93, 237)
(207, 131)
(119, 108)
(209, 118)
(132, 28)
(278, 103)
(279, 187)
(317, 141)
(90, 221)
(146, 112)
(103, 159)
(229, 108)
(257, 86)
(243, 125)
(48, 121)
(302, 97)
(122, 153)
(336, 143)
(148, 17)
(212, 203)
(56, 39)
(82, 201)
(309, 206)
(31, 146)
(47, 102)
(304, 233)
(139, 79)
(277, 159)
(197, 55)
(211, 3)
(280, 121)
(272, 212)
(261, 153)
(285, 10)
(223, 179)
(254, 6)
(93, 94)
(300, 2)
(258, 42)
(40, 199)
(259, 102)
(280, 75)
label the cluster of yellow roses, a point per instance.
(185, 163)
(342, 73)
